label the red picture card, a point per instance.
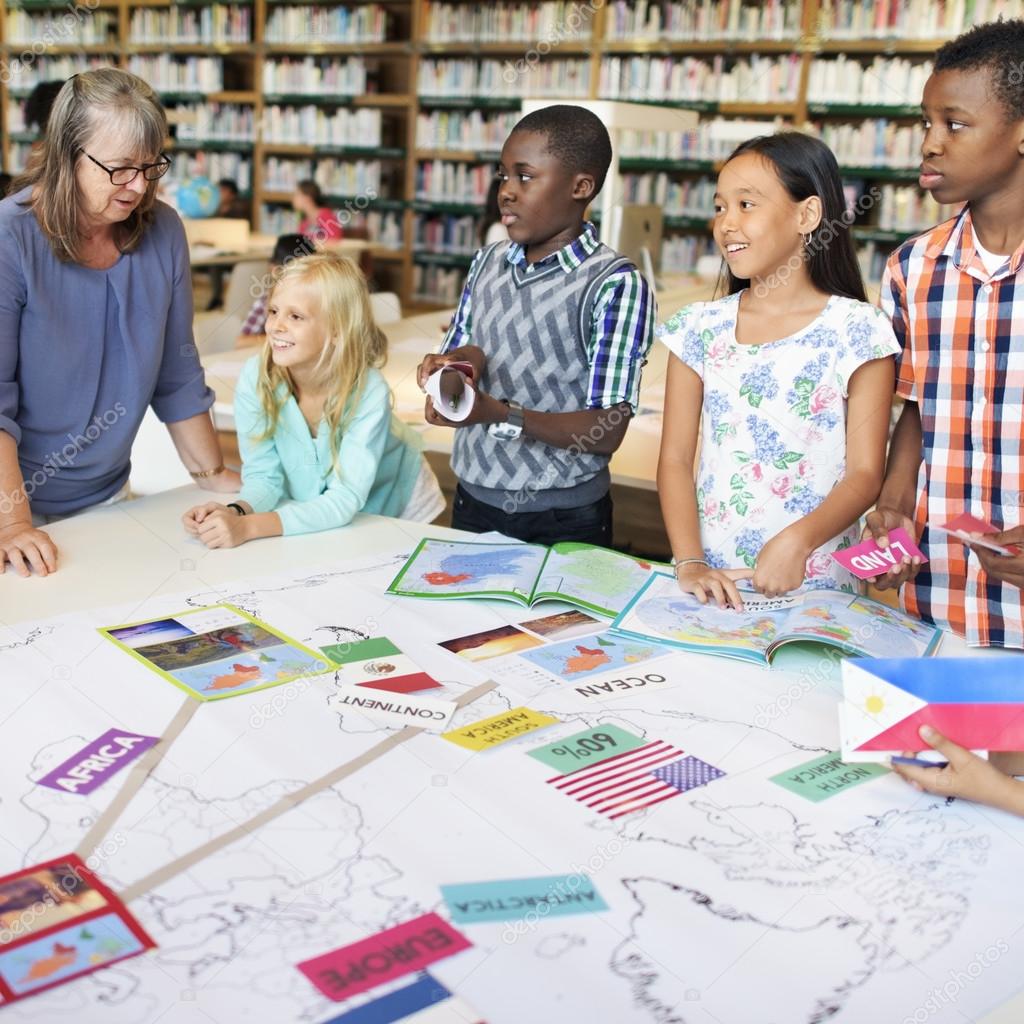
(58, 922)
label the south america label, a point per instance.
(489, 732)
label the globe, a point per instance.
(198, 197)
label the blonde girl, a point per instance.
(316, 432)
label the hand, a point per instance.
(197, 513)
(966, 775)
(1007, 568)
(472, 354)
(27, 550)
(486, 409)
(879, 522)
(702, 581)
(217, 526)
(226, 482)
(782, 563)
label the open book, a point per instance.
(855, 625)
(589, 577)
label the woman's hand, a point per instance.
(217, 526)
(703, 582)
(782, 563)
(27, 550)
(966, 775)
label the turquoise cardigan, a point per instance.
(379, 459)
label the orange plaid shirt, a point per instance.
(962, 332)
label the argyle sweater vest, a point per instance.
(535, 329)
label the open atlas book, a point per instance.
(854, 625)
(589, 577)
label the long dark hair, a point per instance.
(807, 167)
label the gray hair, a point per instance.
(86, 101)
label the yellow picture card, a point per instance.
(489, 732)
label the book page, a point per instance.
(593, 577)
(664, 613)
(455, 568)
(860, 625)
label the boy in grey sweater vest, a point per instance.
(557, 327)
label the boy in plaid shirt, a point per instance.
(951, 293)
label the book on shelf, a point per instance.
(465, 77)
(727, 21)
(717, 79)
(873, 81)
(179, 74)
(584, 575)
(204, 26)
(853, 625)
(507, 22)
(312, 125)
(367, 23)
(315, 76)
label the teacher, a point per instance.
(95, 317)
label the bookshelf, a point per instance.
(398, 108)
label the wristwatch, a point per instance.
(512, 428)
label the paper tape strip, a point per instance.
(286, 803)
(137, 775)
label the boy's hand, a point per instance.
(486, 409)
(966, 775)
(879, 522)
(1007, 568)
(782, 563)
(704, 582)
(472, 354)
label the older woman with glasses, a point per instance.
(95, 317)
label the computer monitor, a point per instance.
(636, 234)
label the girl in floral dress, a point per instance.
(785, 384)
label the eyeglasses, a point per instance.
(126, 175)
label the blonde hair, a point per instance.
(353, 345)
(123, 100)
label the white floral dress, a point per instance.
(773, 424)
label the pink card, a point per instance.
(389, 954)
(969, 524)
(867, 560)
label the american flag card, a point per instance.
(622, 784)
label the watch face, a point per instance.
(504, 431)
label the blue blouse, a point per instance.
(83, 352)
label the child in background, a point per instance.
(557, 327)
(286, 249)
(788, 381)
(952, 295)
(318, 220)
(318, 440)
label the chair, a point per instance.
(247, 282)
(386, 307)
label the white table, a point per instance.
(136, 555)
